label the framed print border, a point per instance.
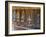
(6, 18)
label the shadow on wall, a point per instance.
(8, 36)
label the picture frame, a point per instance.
(24, 18)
